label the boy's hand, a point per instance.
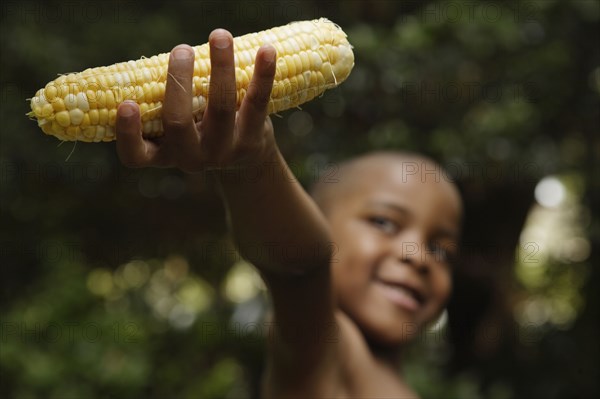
(223, 137)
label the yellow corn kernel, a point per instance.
(58, 105)
(63, 118)
(94, 115)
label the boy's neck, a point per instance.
(388, 356)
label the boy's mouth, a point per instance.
(402, 295)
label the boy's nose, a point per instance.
(413, 251)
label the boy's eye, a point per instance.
(441, 253)
(384, 224)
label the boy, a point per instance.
(350, 283)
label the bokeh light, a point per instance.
(550, 192)
(242, 283)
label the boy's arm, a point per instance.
(277, 226)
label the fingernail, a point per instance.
(221, 41)
(127, 109)
(182, 54)
(270, 55)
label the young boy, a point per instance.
(351, 282)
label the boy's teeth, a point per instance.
(401, 296)
(402, 289)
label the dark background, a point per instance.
(123, 283)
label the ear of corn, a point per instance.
(312, 56)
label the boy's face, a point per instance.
(395, 233)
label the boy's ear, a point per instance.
(439, 323)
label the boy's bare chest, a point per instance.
(354, 372)
(359, 381)
(377, 382)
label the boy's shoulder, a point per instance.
(354, 372)
(366, 376)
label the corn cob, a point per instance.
(312, 56)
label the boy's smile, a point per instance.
(395, 234)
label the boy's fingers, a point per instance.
(133, 150)
(255, 105)
(219, 118)
(177, 107)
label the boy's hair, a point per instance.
(337, 180)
